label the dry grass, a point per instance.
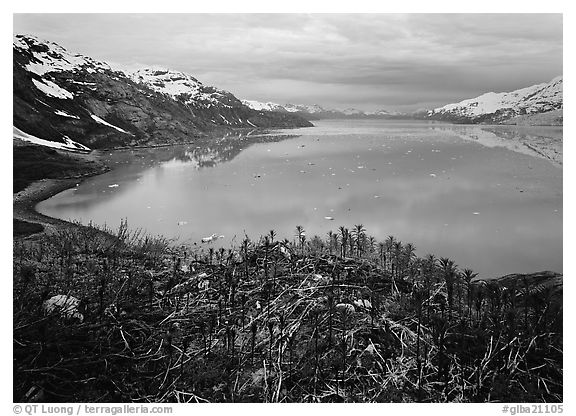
(174, 324)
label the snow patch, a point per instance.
(52, 90)
(104, 122)
(68, 145)
(64, 114)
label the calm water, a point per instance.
(488, 197)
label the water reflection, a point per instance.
(538, 142)
(456, 191)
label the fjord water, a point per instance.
(490, 198)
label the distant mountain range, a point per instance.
(538, 104)
(316, 112)
(73, 101)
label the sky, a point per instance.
(399, 62)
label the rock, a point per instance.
(363, 303)
(346, 307)
(321, 280)
(203, 284)
(369, 350)
(64, 305)
(285, 251)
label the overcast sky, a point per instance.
(367, 61)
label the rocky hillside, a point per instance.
(501, 107)
(75, 101)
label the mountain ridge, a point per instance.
(315, 111)
(502, 106)
(63, 97)
(519, 106)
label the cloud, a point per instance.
(366, 60)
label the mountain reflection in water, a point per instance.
(489, 197)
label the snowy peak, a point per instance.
(48, 57)
(310, 109)
(179, 86)
(61, 98)
(352, 111)
(258, 106)
(500, 106)
(315, 111)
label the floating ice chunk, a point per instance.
(213, 237)
(433, 175)
(476, 213)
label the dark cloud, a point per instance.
(365, 60)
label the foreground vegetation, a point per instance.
(338, 319)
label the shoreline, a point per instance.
(25, 201)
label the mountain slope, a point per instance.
(499, 107)
(63, 98)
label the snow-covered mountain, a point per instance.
(184, 88)
(75, 101)
(315, 112)
(499, 107)
(259, 106)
